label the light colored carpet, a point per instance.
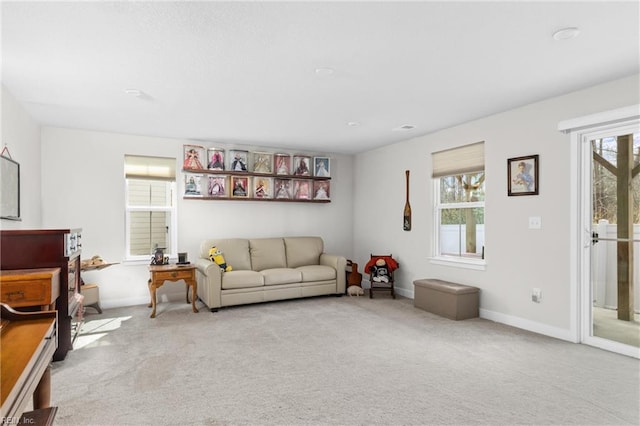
(334, 361)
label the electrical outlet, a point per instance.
(536, 295)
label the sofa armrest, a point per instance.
(209, 278)
(339, 263)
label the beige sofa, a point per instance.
(266, 269)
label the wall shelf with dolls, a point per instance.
(235, 174)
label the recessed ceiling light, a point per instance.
(325, 71)
(353, 124)
(566, 33)
(133, 92)
(404, 128)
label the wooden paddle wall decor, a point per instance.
(406, 223)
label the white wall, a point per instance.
(518, 258)
(83, 186)
(21, 135)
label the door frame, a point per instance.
(581, 131)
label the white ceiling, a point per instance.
(245, 72)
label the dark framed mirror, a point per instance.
(9, 189)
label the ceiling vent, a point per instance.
(404, 128)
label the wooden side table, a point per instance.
(162, 273)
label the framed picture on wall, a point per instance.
(215, 159)
(282, 164)
(262, 187)
(321, 167)
(282, 188)
(240, 187)
(301, 165)
(194, 157)
(321, 190)
(192, 185)
(302, 189)
(522, 175)
(238, 160)
(217, 186)
(262, 162)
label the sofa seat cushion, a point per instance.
(242, 279)
(276, 276)
(317, 273)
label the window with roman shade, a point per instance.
(150, 206)
(459, 181)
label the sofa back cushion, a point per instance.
(303, 251)
(234, 250)
(267, 253)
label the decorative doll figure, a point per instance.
(216, 162)
(282, 190)
(216, 186)
(282, 165)
(239, 189)
(261, 191)
(321, 168)
(321, 192)
(192, 160)
(239, 163)
(303, 168)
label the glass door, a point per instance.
(611, 239)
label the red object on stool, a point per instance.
(380, 269)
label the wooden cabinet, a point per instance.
(49, 248)
(30, 287)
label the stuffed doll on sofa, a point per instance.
(216, 256)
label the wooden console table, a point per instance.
(162, 273)
(28, 342)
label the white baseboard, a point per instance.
(513, 321)
(536, 327)
(174, 296)
(121, 303)
(403, 292)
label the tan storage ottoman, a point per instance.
(450, 300)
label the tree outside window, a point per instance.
(460, 209)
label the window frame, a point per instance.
(450, 260)
(171, 251)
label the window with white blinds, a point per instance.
(150, 206)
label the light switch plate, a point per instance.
(535, 222)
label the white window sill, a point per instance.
(136, 262)
(460, 262)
